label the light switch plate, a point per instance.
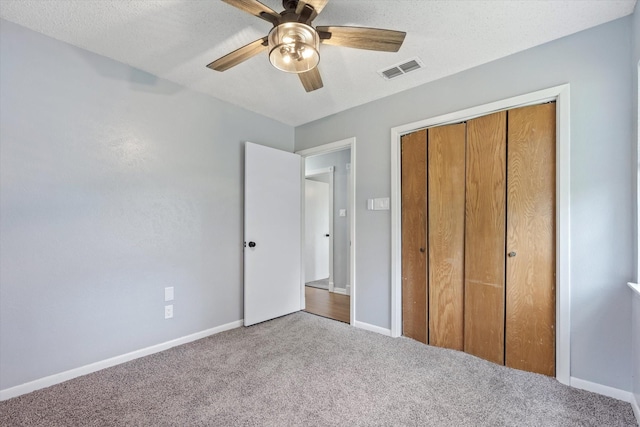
(369, 204)
(379, 204)
(168, 293)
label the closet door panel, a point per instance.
(446, 183)
(414, 239)
(485, 237)
(530, 312)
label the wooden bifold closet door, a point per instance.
(531, 236)
(445, 225)
(414, 240)
(485, 237)
(478, 237)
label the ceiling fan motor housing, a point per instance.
(290, 4)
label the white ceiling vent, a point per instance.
(402, 68)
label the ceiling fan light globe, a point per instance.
(293, 47)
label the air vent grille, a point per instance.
(410, 66)
(392, 72)
(401, 69)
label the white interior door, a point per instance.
(316, 214)
(272, 223)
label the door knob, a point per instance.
(252, 244)
(326, 235)
(422, 250)
(511, 254)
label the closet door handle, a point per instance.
(511, 254)
(422, 250)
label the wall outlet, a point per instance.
(168, 293)
(168, 311)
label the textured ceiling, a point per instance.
(176, 39)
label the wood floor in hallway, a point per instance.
(326, 304)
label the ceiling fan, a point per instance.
(293, 43)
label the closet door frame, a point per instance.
(559, 94)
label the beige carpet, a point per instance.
(303, 370)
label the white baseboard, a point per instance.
(341, 291)
(372, 328)
(18, 390)
(616, 393)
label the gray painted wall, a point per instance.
(339, 160)
(635, 331)
(113, 185)
(596, 63)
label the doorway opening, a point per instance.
(329, 231)
(318, 224)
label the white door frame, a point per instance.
(560, 94)
(330, 148)
(329, 172)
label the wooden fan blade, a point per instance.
(318, 5)
(256, 8)
(364, 38)
(311, 80)
(239, 55)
